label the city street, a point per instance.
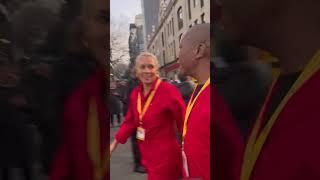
(121, 164)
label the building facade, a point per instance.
(175, 17)
(136, 39)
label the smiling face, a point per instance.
(146, 69)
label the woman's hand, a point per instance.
(113, 146)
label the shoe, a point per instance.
(139, 169)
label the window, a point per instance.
(168, 30)
(195, 3)
(174, 49)
(164, 57)
(196, 22)
(172, 26)
(202, 3)
(180, 20)
(162, 40)
(202, 18)
(189, 9)
(180, 37)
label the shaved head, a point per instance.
(195, 49)
(197, 34)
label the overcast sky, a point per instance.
(122, 14)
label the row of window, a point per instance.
(169, 30)
(180, 12)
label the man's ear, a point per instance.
(200, 51)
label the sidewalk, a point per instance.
(121, 164)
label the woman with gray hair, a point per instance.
(155, 109)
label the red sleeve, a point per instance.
(61, 164)
(128, 126)
(228, 146)
(178, 108)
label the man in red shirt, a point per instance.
(194, 59)
(282, 144)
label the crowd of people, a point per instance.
(252, 122)
(164, 118)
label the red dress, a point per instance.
(73, 160)
(160, 151)
(291, 150)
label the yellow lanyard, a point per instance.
(190, 106)
(255, 142)
(99, 161)
(147, 104)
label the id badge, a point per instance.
(140, 133)
(185, 164)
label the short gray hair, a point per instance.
(148, 54)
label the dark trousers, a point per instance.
(135, 150)
(118, 118)
(26, 173)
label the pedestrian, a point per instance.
(83, 152)
(155, 109)
(185, 87)
(15, 132)
(281, 145)
(194, 59)
(115, 107)
(132, 84)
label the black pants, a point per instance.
(26, 173)
(118, 118)
(135, 150)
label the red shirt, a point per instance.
(291, 150)
(72, 160)
(227, 145)
(160, 151)
(197, 138)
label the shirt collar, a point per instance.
(153, 86)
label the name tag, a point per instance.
(185, 164)
(141, 133)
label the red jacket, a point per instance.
(73, 160)
(160, 151)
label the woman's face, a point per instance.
(96, 25)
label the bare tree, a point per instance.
(120, 70)
(119, 44)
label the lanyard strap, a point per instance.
(190, 106)
(255, 142)
(147, 104)
(98, 159)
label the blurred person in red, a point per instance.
(282, 144)
(194, 59)
(83, 153)
(155, 111)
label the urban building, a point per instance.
(136, 39)
(150, 11)
(175, 17)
